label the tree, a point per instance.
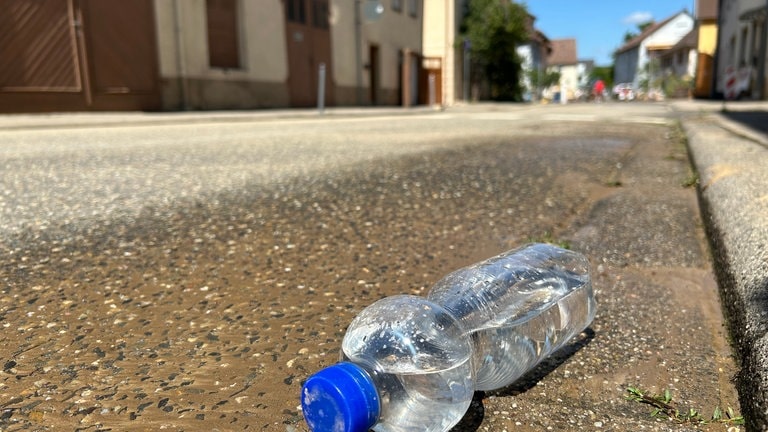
(494, 29)
(543, 79)
(629, 35)
(645, 25)
(604, 73)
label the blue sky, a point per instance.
(599, 25)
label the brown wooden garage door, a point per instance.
(72, 55)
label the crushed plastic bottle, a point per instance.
(412, 364)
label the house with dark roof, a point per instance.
(565, 60)
(534, 54)
(680, 60)
(637, 60)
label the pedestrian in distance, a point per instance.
(599, 90)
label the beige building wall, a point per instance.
(188, 82)
(393, 32)
(442, 19)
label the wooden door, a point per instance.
(38, 45)
(373, 74)
(308, 38)
(74, 55)
(122, 56)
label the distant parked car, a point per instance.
(624, 92)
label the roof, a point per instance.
(651, 29)
(756, 14)
(706, 9)
(689, 42)
(563, 52)
(534, 34)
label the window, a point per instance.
(397, 5)
(320, 14)
(413, 8)
(757, 33)
(743, 47)
(295, 11)
(223, 34)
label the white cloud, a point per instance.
(638, 17)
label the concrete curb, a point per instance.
(732, 163)
(11, 122)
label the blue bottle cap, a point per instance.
(340, 398)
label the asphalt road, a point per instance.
(189, 274)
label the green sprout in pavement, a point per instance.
(663, 406)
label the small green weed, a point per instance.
(691, 181)
(663, 406)
(549, 238)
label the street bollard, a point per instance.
(431, 89)
(321, 88)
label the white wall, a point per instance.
(569, 79)
(730, 35)
(630, 65)
(665, 37)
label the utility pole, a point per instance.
(358, 54)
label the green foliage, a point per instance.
(543, 79)
(663, 406)
(645, 25)
(629, 35)
(604, 73)
(495, 29)
(676, 86)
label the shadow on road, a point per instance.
(756, 120)
(476, 412)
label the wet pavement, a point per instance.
(190, 275)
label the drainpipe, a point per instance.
(180, 59)
(762, 55)
(713, 94)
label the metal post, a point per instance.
(358, 54)
(761, 57)
(466, 70)
(321, 88)
(431, 89)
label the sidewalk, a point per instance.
(729, 149)
(111, 119)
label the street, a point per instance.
(190, 274)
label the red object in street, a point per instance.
(599, 89)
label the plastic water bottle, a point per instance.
(412, 364)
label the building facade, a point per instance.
(742, 40)
(533, 53)
(564, 59)
(637, 60)
(441, 44)
(707, 27)
(79, 55)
